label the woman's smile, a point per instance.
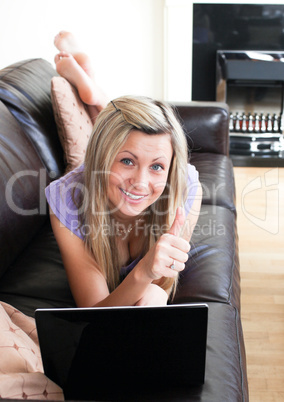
(132, 196)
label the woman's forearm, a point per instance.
(129, 292)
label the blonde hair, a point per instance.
(111, 129)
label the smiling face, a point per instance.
(139, 173)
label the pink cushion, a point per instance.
(21, 369)
(73, 121)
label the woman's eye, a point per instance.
(157, 167)
(127, 161)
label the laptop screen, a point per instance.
(114, 353)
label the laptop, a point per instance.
(121, 353)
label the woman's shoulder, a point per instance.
(74, 176)
(193, 174)
(64, 195)
(62, 189)
(192, 186)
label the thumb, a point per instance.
(178, 222)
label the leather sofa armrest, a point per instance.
(206, 125)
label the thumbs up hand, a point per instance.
(168, 255)
(178, 222)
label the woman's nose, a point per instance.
(140, 179)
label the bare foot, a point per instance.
(66, 42)
(89, 92)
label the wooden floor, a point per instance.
(260, 207)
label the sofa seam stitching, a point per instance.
(233, 268)
(19, 66)
(240, 358)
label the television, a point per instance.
(230, 27)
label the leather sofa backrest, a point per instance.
(30, 154)
(204, 124)
(25, 91)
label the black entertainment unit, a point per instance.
(238, 58)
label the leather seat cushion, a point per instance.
(211, 271)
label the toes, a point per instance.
(61, 55)
(59, 37)
(61, 34)
(64, 33)
(56, 58)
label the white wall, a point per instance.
(123, 37)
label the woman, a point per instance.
(123, 220)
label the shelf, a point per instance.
(257, 136)
(256, 161)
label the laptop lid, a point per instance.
(121, 352)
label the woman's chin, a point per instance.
(129, 209)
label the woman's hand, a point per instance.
(169, 249)
(154, 296)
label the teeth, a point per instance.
(134, 197)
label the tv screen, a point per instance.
(230, 27)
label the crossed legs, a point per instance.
(74, 65)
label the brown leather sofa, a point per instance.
(31, 271)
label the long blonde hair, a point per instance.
(111, 129)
